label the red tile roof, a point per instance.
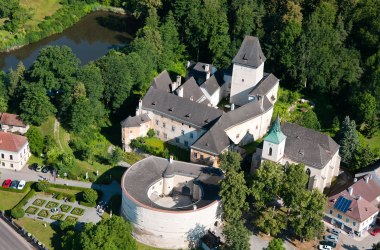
(11, 120)
(364, 207)
(11, 142)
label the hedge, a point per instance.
(86, 204)
(24, 200)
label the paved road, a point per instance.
(10, 239)
(30, 175)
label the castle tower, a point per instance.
(248, 70)
(274, 143)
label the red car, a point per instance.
(7, 183)
(375, 231)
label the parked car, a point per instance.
(33, 166)
(46, 169)
(38, 168)
(331, 237)
(54, 210)
(328, 243)
(14, 184)
(375, 231)
(7, 183)
(334, 231)
(324, 247)
(21, 184)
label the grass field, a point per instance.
(9, 199)
(141, 246)
(36, 227)
(40, 9)
(374, 142)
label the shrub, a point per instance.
(65, 208)
(31, 210)
(77, 211)
(17, 212)
(42, 186)
(90, 195)
(72, 198)
(39, 202)
(151, 133)
(43, 213)
(57, 216)
(51, 204)
(71, 218)
(87, 204)
(26, 198)
(67, 224)
(59, 196)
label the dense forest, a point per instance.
(328, 51)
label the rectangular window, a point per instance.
(331, 211)
(340, 216)
(347, 220)
(354, 223)
(186, 143)
(173, 128)
(2, 156)
(237, 136)
(182, 132)
(189, 126)
(157, 122)
(3, 164)
(191, 135)
(202, 157)
(11, 165)
(195, 155)
(165, 136)
(11, 157)
(177, 140)
(157, 133)
(164, 124)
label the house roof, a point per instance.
(197, 70)
(135, 121)
(180, 109)
(191, 90)
(211, 85)
(250, 53)
(11, 120)
(308, 146)
(275, 135)
(216, 140)
(141, 175)
(362, 204)
(11, 142)
(162, 82)
(265, 85)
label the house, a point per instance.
(14, 151)
(186, 113)
(355, 208)
(12, 123)
(293, 144)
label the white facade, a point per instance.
(215, 98)
(273, 152)
(14, 129)
(14, 160)
(243, 80)
(257, 127)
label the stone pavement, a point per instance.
(90, 214)
(31, 175)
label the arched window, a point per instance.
(308, 172)
(270, 151)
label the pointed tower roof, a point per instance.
(275, 134)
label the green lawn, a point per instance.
(41, 9)
(47, 128)
(141, 246)
(47, 235)
(374, 142)
(9, 199)
(155, 143)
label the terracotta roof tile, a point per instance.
(11, 120)
(11, 142)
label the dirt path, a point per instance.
(56, 133)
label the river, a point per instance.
(92, 37)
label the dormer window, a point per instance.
(171, 109)
(154, 103)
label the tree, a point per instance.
(363, 157)
(81, 114)
(3, 104)
(294, 184)
(116, 156)
(67, 225)
(55, 68)
(271, 221)
(267, 183)
(43, 186)
(15, 78)
(306, 217)
(230, 161)
(90, 195)
(17, 212)
(276, 244)
(376, 246)
(36, 142)
(309, 119)
(364, 107)
(116, 231)
(35, 106)
(49, 144)
(237, 235)
(348, 141)
(233, 191)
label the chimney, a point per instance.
(355, 180)
(171, 159)
(261, 100)
(232, 106)
(178, 81)
(180, 92)
(207, 69)
(370, 176)
(350, 190)
(187, 64)
(366, 178)
(194, 207)
(139, 109)
(191, 98)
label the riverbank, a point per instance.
(65, 17)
